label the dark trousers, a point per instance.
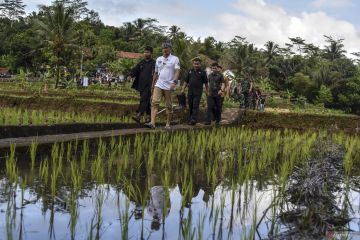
(246, 99)
(194, 104)
(214, 107)
(145, 104)
(221, 108)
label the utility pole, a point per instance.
(81, 63)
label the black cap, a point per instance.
(148, 48)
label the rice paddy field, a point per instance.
(33, 106)
(23, 117)
(221, 183)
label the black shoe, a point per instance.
(207, 123)
(149, 125)
(192, 123)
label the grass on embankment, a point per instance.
(68, 105)
(300, 121)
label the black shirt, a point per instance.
(143, 73)
(195, 80)
(215, 81)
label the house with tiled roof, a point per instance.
(128, 55)
(4, 72)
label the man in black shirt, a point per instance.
(143, 73)
(195, 81)
(216, 89)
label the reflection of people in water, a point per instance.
(199, 184)
(157, 205)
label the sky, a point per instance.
(257, 20)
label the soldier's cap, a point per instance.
(196, 59)
(166, 44)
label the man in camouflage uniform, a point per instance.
(216, 89)
(246, 87)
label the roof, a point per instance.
(4, 70)
(129, 55)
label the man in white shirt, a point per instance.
(167, 71)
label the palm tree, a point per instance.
(130, 31)
(322, 74)
(271, 50)
(220, 46)
(182, 50)
(141, 25)
(335, 49)
(173, 31)
(299, 43)
(58, 33)
(241, 55)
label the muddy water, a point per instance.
(171, 201)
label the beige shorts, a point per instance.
(156, 98)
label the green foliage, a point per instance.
(7, 61)
(22, 79)
(58, 34)
(324, 95)
(302, 84)
(265, 85)
(184, 53)
(103, 54)
(350, 95)
(122, 66)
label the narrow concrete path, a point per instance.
(229, 116)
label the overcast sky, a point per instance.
(257, 20)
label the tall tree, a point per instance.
(334, 49)
(142, 25)
(79, 7)
(271, 50)
(129, 31)
(209, 49)
(58, 34)
(12, 9)
(173, 32)
(299, 43)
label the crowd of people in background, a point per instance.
(103, 77)
(157, 79)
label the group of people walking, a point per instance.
(157, 79)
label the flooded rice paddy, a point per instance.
(224, 183)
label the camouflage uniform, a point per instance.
(245, 96)
(214, 99)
